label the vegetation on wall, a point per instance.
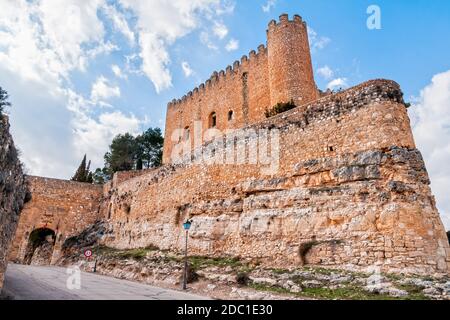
(279, 108)
(3, 100)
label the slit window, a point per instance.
(230, 115)
(213, 120)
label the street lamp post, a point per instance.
(186, 226)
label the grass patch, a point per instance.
(414, 291)
(267, 288)
(136, 254)
(199, 262)
(281, 271)
(346, 293)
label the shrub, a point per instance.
(280, 108)
(242, 278)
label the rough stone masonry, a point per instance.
(350, 190)
(13, 192)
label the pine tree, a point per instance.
(83, 172)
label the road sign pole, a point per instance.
(185, 262)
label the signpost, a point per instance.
(186, 226)
(88, 254)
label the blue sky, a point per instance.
(80, 72)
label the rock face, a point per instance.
(13, 192)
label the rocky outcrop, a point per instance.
(13, 192)
(243, 279)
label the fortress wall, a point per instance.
(367, 202)
(66, 207)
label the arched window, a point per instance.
(212, 120)
(230, 115)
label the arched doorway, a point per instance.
(40, 247)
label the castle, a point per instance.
(349, 185)
(237, 97)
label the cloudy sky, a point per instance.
(81, 71)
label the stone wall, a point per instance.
(13, 192)
(280, 72)
(351, 190)
(64, 208)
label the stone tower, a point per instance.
(290, 68)
(241, 94)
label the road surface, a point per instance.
(50, 283)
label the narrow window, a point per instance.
(213, 120)
(230, 115)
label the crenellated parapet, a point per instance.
(238, 67)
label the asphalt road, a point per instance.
(50, 283)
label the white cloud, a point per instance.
(102, 90)
(338, 83)
(204, 38)
(232, 45)
(43, 41)
(93, 134)
(317, 42)
(120, 23)
(431, 125)
(41, 44)
(160, 23)
(269, 5)
(220, 30)
(118, 72)
(155, 60)
(325, 72)
(187, 69)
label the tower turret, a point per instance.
(289, 59)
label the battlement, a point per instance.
(284, 20)
(217, 77)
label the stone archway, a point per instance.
(41, 243)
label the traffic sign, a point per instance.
(88, 253)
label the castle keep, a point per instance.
(237, 97)
(350, 185)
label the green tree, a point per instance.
(100, 176)
(122, 154)
(83, 173)
(3, 99)
(149, 148)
